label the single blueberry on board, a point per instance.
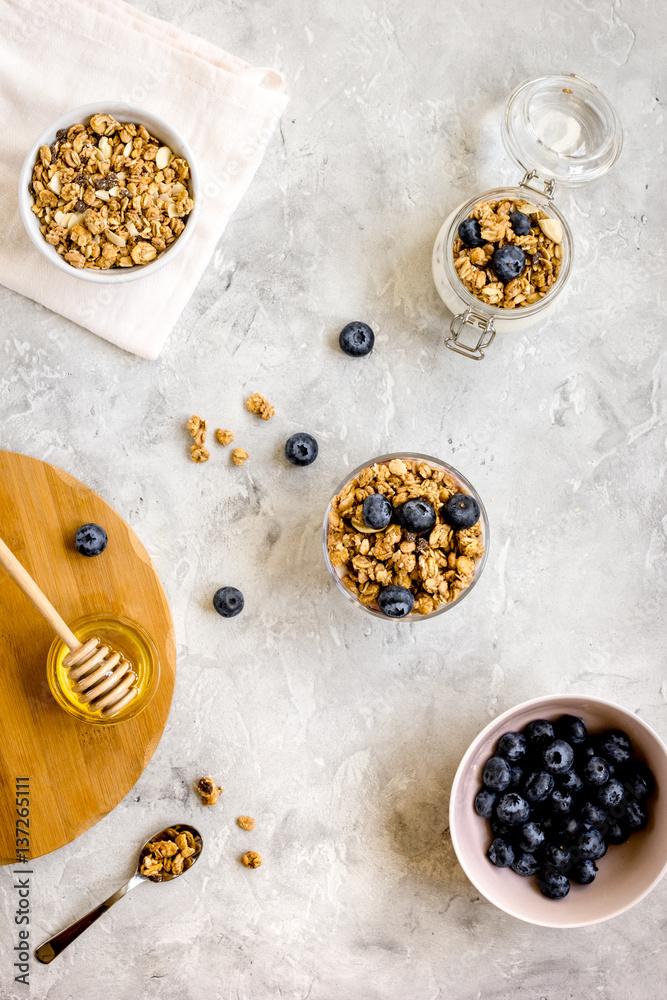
(461, 511)
(416, 516)
(228, 602)
(553, 885)
(583, 872)
(512, 809)
(395, 602)
(91, 540)
(500, 853)
(484, 803)
(377, 511)
(470, 233)
(520, 223)
(512, 746)
(496, 774)
(301, 449)
(509, 262)
(356, 340)
(558, 757)
(525, 864)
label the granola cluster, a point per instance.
(251, 859)
(197, 428)
(169, 855)
(261, 406)
(542, 246)
(435, 568)
(209, 791)
(109, 194)
(246, 822)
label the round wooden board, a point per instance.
(77, 772)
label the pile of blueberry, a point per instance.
(557, 798)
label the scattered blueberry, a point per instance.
(531, 837)
(470, 233)
(512, 746)
(228, 602)
(570, 728)
(508, 262)
(539, 786)
(615, 746)
(512, 809)
(553, 885)
(525, 864)
(539, 733)
(558, 757)
(556, 858)
(395, 602)
(91, 540)
(569, 782)
(496, 774)
(461, 511)
(583, 872)
(484, 803)
(301, 449)
(500, 853)
(377, 511)
(356, 339)
(589, 843)
(520, 223)
(596, 772)
(611, 794)
(416, 516)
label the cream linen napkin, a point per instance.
(59, 55)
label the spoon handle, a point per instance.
(51, 948)
(25, 582)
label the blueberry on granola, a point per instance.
(395, 602)
(461, 511)
(301, 449)
(520, 223)
(356, 340)
(377, 511)
(91, 540)
(509, 262)
(416, 516)
(228, 602)
(470, 233)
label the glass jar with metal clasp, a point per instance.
(561, 131)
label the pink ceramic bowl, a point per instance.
(627, 872)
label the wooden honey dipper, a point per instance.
(101, 678)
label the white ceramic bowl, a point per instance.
(122, 113)
(627, 872)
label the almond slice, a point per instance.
(102, 195)
(132, 229)
(75, 219)
(364, 529)
(105, 147)
(112, 237)
(55, 183)
(114, 191)
(164, 154)
(552, 229)
(172, 211)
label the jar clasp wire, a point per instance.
(483, 328)
(549, 187)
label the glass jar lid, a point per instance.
(563, 128)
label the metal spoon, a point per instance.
(51, 948)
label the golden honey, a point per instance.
(120, 634)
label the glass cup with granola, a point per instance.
(501, 260)
(405, 536)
